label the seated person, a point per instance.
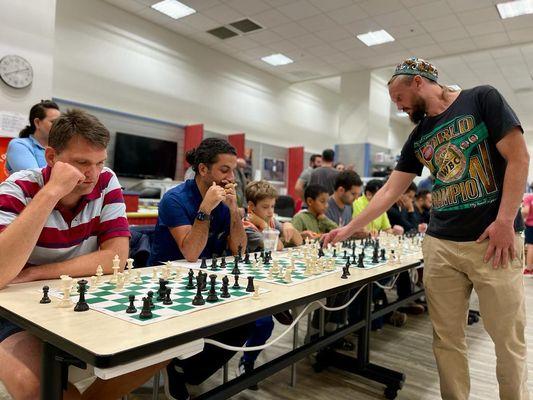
(200, 218)
(41, 211)
(261, 197)
(312, 223)
(347, 189)
(402, 213)
(27, 151)
(422, 207)
(382, 222)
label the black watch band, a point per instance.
(202, 216)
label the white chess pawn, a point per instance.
(256, 293)
(99, 273)
(288, 276)
(93, 285)
(129, 264)
(138, 279)
(154, 274)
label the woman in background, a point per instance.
(27, 151)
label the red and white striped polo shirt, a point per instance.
(100, 215)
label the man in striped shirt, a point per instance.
(66, 218)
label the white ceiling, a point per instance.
(465, 39)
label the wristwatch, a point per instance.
(202, 216)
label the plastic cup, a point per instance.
(270, 239)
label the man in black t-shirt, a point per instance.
(472, 143)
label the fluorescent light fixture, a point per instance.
(516, 8)
(173, 8)
(375, 38)
(402, 114)
(277, 59)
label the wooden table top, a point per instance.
(94, 333)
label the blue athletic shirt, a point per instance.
(179, 207)
(24, 153)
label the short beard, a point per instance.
(419, 111)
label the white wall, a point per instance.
(27, 29)
(105, 56)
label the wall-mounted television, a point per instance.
(144, 157)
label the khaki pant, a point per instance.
(451, 270)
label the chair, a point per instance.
(284, 206)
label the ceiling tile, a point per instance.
(428, 11)
(405, 31)
(522, 22)
(441, 23)
(491, 40)
(348, 14)
(417, 41)
(426, 52)
(318, 22)
(349, 43)
(449, 34)
(485, 28)
(270, 18)
(155, 16)
(322, 50)
(200, 22)
(336, 58)
(279, 3)
(521, 35)
(198, 5)
(362, 26)
(289, 30)
(333, 34)
(377, 7)
(308, 40)
(413, 3)
(401, 17)
(461, 5)
(128, 5)
(241, 43)
(387, 48)
(509, 52)
(223, 14)
(458, 46)
(477, 16)
(182, 28)
(264, 37)
(329, 5)
(299, 10)
(283, 46)
(248, 7)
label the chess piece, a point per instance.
(99, 273)
(235, 270)
(214, 266)
(199, 299)
(161, 292)
(150, 295)
(236, 282)
(223, 262)
(167, 301)
(129, 265)
(131, 308)
(225, 293)
(190, 283)
(203, 264)
(45, 299)
(138, 279)
(154, 274)
(146, 312)
(204, 281)
(247, 257)
(344, 274)
(93, 285)
(256, 293)
(82, 305)
(360, 262)
(250, 286)
(382, 254)
(116, 268)
(212, 296)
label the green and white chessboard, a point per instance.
(298, 275)
(104, 299)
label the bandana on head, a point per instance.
(417, 66)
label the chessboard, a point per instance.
(108, 299)
(305, 263)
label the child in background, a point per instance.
(527, 213)
(312, 223)
(261, 197)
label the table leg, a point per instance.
(51, 373)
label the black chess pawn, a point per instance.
(360, 262)
(212, 296)
(347, 266)
(321, 250)
(375, 257)
(151, 298)
(256, 256)
(204, 281)
(45, 299)
(146, 312)
(167, 301)
(225, 292)
(131, 308)
(235, 270)
(214, 265)
(344, 274)
(382, 254)
(263, 255)
(334, 252)
(236, 282)
(250, 287)
(82, 305)
(190, 283)
(247, 258)
(223, 262)
(239, 252)
(199, 299)
(203, 264)
(345, 256)
(162, 289)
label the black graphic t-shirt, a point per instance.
(459, 148)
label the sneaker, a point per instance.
(284, 317)
(245, 368)
(398, 318)
(528, 273)
(413, 309)
(175, 388)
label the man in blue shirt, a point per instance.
(200, 218)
